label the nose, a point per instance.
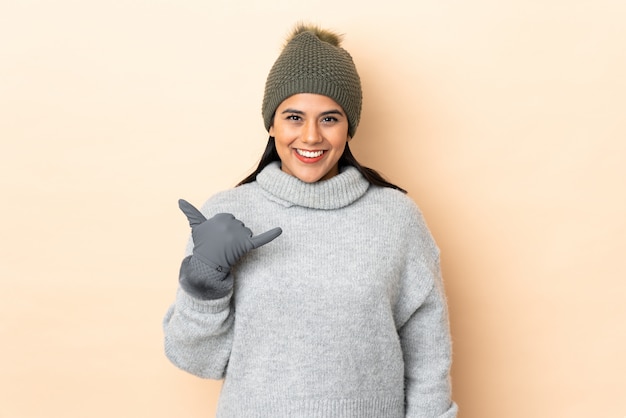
(311, 133)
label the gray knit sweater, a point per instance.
(343, 315)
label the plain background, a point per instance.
(504, 120)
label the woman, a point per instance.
(337, 310)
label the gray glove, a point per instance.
(219, 243)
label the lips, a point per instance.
(309, 157)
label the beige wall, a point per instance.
(505, 121)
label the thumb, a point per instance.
(194, 216)
(264, 238)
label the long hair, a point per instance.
(347, 159)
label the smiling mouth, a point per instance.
(309, 156)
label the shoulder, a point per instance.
(231, 200)
(402, 215)
(394, 202)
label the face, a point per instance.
(310, 132)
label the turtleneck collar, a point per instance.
(334, 193)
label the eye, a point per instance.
(329, 119)
(293, 117)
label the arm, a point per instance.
(198, 326)
(198, 334)
(426, 346)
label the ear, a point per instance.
(272, 131)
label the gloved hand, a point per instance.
(219, 242)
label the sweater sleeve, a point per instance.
(198, 334)
(426, 346)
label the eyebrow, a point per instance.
(327, 112)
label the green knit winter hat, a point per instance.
(313, 61)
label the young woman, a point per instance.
(338, 309)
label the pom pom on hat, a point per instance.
(313, 61)
(323, 35)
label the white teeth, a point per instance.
(309, 154)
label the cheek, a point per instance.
(282, 146)
(340, 141)
(280, 132)
(280, 137)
